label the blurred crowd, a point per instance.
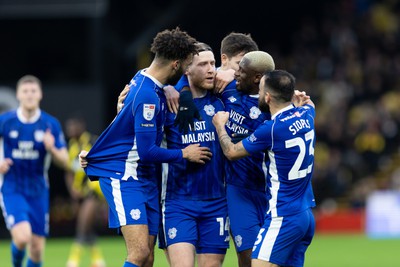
(349, 62)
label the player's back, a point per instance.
(291, 157)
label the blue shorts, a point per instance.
(249, 204)
(131, 202)
(204, 224)
(284, 240)
(35, 210)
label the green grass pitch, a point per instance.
(325, 251)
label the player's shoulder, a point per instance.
(49, 117)
(8, 116)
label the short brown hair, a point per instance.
(29, 79)
(236, 43)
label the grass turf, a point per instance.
(325, 251)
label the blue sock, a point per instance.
(17, 255)
(30, 263)
(128, 264)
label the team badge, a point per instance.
(38, 135)
(232, 99)
(209, 109)
(13, 134)
(238, 241)
(252, 138)
(135, 214)
(172, 233)
(254, 112)
(149, 111)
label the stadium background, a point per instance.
(344, 53)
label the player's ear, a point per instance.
(267, 97)
(257, 78)
(176, 65)
(224, 59)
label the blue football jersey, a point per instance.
(187, 180)
(244, 118)
(22, 141)
(288, 139)
(115, 153)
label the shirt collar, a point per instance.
(152, 78)
(282, 110)
(23, 119)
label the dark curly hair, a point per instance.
(235, 43)
(173, 44)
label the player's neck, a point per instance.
(29, 113)
(159, 72)
(198, 93)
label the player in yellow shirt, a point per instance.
(88, 194)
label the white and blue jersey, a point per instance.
(22, 141)
(193, 181)
(126, 156)
(289, 141)
(129, 147)
(244, 118)
(25, 187)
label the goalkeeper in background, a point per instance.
(86, 193)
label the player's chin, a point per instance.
(209, 85)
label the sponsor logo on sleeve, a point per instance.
(149, 111)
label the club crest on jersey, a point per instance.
(254, 112)
(149, 111)
(39, 135)
(135, 214)
(13, 134)
(209, 109)
(238, 240)
(232, 99)
(172, 233)
(252, 138)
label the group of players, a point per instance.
(243, 166)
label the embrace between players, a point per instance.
(236, 159)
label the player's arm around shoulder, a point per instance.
(300, 98)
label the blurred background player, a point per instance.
(29, 139)
(86, 194)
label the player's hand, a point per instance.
(222, 79)
(187, 112)
(172, 96)
(48, 140)
(300, 98)
(82, 158)
(5, 165)
(196, 153)
(220, 119)
(122, 97)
